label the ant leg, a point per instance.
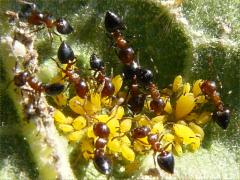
(50, 36)
(38, 29)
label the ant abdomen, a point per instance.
(63, 27)
(165, 161)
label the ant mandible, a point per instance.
(221, 115)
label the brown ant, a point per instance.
(34, 17)
(66, 56)
(165, 159)
(97, 65)
(221, 115)
(100, 160)
(53, 89)
(114, 25)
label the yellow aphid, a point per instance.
(69, 120)
(203, 118)
(128, 153)
(75, 136)
(178, 148)
(60, 100)
(79, 123)
(157, 128)
(158, 119)
(168, 137)
(168, 107)
(144, 141)
(201, 99)
(101, 118)
(195, 144)
(125, 140)
(59, 116)
(87, 148)
(117, 113)
(96, 100)
(76, 104)
(113, 125)
(197, 130)
(184, 105)
(114, 145)
(177, 83)
(90, 108)
(168, 147)
(138, 147)
(186, 88)
(65, 128)
(125, 125)
(106, 101)
(191, 117)
(196, 88)
(185, 133)
(117, 83)
(90, 132)
(142, 120)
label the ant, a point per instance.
(33, 16)
(66, 56)
(165, 159)
(100, 160)
(97, 65)
(53, 89)
(114, 25)
(220, 115)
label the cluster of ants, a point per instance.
(135, 77)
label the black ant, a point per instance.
(100, 160)
(165, 159)
(35, 17)
(114, 25)
(97, 65)
(66, 56)
(21, 78)
(221, 115)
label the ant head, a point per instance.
(63, 27)
(20, 79)
(136, 103)
(129, 71)
(27, 10)
(101, 129)
(145, 76)
(165, 161)
(96, 63)
(53, 89)
(103, 164)
(157, 105)
(208, 87)
(65, 53)
(108, 89)
(113, 22)
(81, 88)
(126, 55)
(140, 132)
(222, 118)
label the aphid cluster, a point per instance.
(117, 122)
